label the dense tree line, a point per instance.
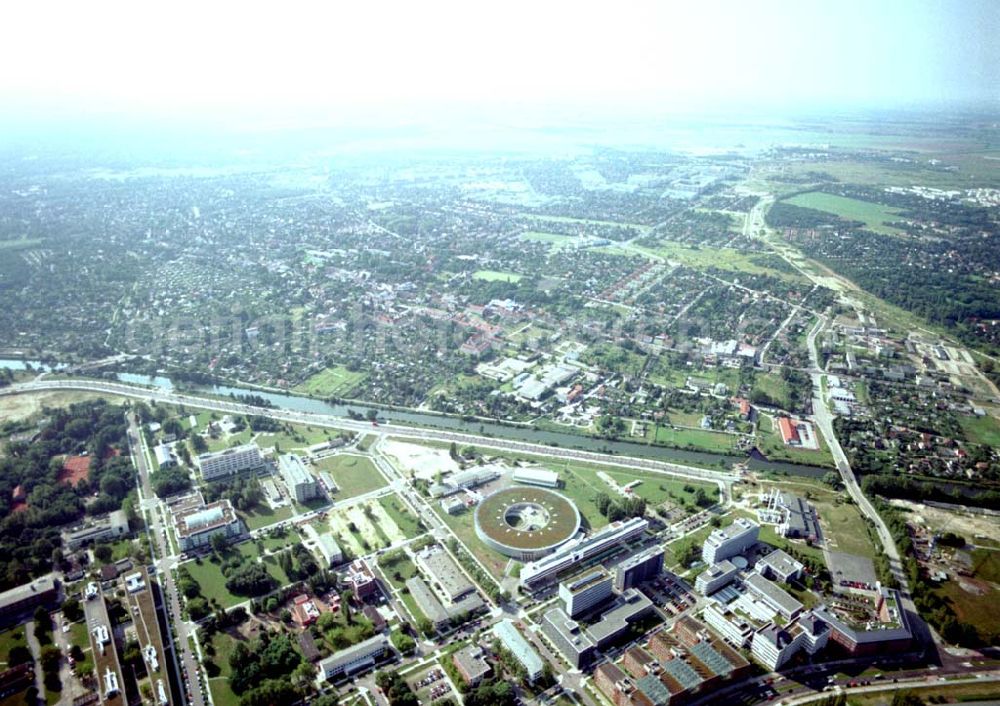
(30, 538)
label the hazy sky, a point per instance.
(276, 58)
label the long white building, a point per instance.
(729, 541)
(237, 459)
(573, 553)
(301, 483)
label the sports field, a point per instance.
(332, 382)
(873, 215)
(496, 276)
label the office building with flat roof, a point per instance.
(639, 568)
(727, 542)
(17, 601)
(227, 462)
(779, 566)
(354, 659)
(887, 630)
(302, 485)
(471, 665)
(195, 527)
(440, 568)
(515, 643)
(772, 595)
(585, 591)
(579, 643)
(715, 577)
(573, 553)
(110, 527)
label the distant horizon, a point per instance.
(211, 66)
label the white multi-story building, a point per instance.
(715, 577)
(354, 659)
(730, 541)
(301, 483)
(164, 458)
(237, 459)
(732, 627)
(779, 566)
(571, 553)
(582, 593)
(774, 646)
(196, 527)
(537, 476)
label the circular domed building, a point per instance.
(526, 523)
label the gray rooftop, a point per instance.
(654, 689)
(19, 593)
(445, 571)
(351, 653)
(630, 604)
(712, 658)
(426, 600)
(522, 650)
(781, 562)
(778, 597)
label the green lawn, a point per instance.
(397, 562)
(554, 239)
(208, 574)
(844, 525)
(401, 515)
(704, 440)
(332, 382)
(78, 635)
(978, 610)
(656, 489)
(354, 475)
(981, 430)
(873, 215)
(262, 516)
(13, 637)
(774, 387)
(496, 276)
(222, 695)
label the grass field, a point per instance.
(208, 574)
(354, 475)
(981, 430)
(554, 239)
(704, 440)
(873, 215)
(332, 382)
(977, 610)
(262, 516)
(703, 258)
(13, 637)
(224, 645)
(845, 526)
(396, 509)
(495, 276)
(397, 563)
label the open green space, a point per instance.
(496, 276)
(656, 489)
(223, 645)
(986, 565)
(873, 215)
(975, 608)
(534, 236)
(401, 514)
(702, 439)
(207, 572)
(464, 528)
(262, 516)
(354, 475)
(844, 525)
(10, 638)
(331, 382)
(709, 258)
(397, 567)
(981, 430)
(79, 636)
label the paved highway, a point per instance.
(396, 430)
